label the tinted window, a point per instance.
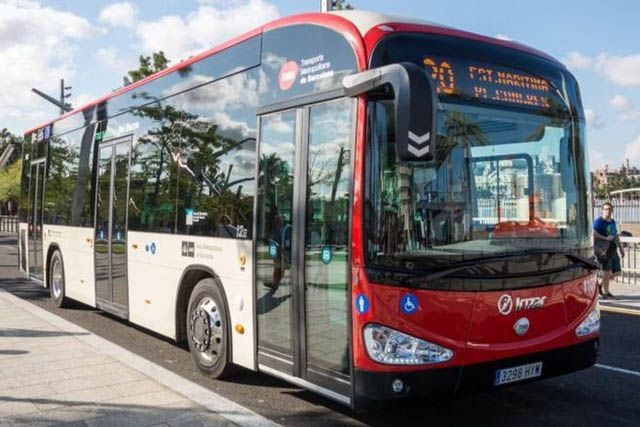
(232, 60)
(152, 191)
(62, 174)
(217, 156)
(24, 182)
(477, 72)
(303, 59)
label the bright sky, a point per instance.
(93, 43)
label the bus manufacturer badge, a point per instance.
(505, 304)
(409, 304)
(521, 327)
(362, 304)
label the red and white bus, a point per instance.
(367, 206)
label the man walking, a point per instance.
(607, 244)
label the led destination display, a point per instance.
(487, 82)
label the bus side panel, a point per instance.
(155, 266)
(76, 246)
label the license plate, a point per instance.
(518, 373)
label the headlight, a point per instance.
(386, 345)
(591, 324)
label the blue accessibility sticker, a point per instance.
(153, 248)
(362, 303)
(408, 303)
(326, 254)
(273, 250)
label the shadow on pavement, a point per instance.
(12, 352)
(116, 414)
(11, 332)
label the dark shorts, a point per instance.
(611, 264)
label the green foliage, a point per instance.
(148, 66)
(10, 182)
(342, 5)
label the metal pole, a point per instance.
(61, 96)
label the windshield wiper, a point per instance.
(578, 261)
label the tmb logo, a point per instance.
(288, 75)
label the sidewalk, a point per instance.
(53, 372)
(627, 298)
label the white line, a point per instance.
(213, 401)
(613, 368)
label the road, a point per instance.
(608, 394)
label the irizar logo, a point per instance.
(505, 304)
(419, 141)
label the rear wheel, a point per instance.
(56, 280)
(208, 330)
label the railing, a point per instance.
(9, 224)
(631, 260)
(624, 210)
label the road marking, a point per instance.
(620, 310)
(613, 368)
(222, 406)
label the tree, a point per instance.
(148, 66)
(10, 185)
(342, 5)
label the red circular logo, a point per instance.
(288, 74)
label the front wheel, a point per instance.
(56, 280)
(208, 330)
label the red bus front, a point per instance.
(471, 266)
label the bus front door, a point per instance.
(36, 193)
(111, 227)
(302, 262)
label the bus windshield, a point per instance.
(509, 174)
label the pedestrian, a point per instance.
(606, 245)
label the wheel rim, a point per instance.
(206, 329)
(56, 278)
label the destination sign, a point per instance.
(458, 77)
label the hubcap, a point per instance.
(205, 327)
(56, 278)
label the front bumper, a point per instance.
(373, 388)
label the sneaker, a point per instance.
(603, 296)
(610, 295)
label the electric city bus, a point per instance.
(370, 207)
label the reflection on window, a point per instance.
(193, 162)
(498, 180)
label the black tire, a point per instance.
(208, 330)
(57, 287)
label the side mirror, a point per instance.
(415, 106)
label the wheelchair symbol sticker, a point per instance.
(409, 304)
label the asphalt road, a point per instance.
(594, 397)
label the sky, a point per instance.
(92, 44)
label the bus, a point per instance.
(370, 207)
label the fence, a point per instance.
(631, 260)
(624, 210)
(9, 224)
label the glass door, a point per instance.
(302, 263)
(36, 193)
(111, 227)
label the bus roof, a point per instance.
(369, 26)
